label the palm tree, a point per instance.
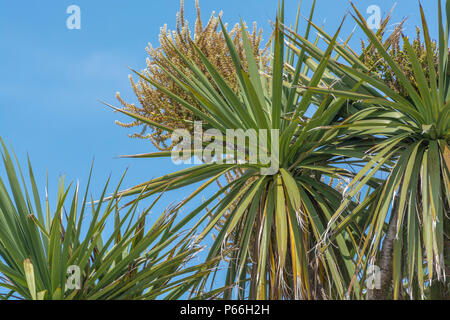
(156, 106)
(313, 228)
(408, 212)
(69, 255)
(273, 221)
(349, 172)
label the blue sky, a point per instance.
(51, 78)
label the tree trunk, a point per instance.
(385, 263)
(447, 269)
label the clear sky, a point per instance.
(51, 77)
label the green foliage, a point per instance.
(385, 111)
(399, 52)
(279, 219)
(362, 177)
(158, 107)
(38, 246)
(413, 123)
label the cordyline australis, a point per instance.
(364, 163)
(39, 247)
(159, 107)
